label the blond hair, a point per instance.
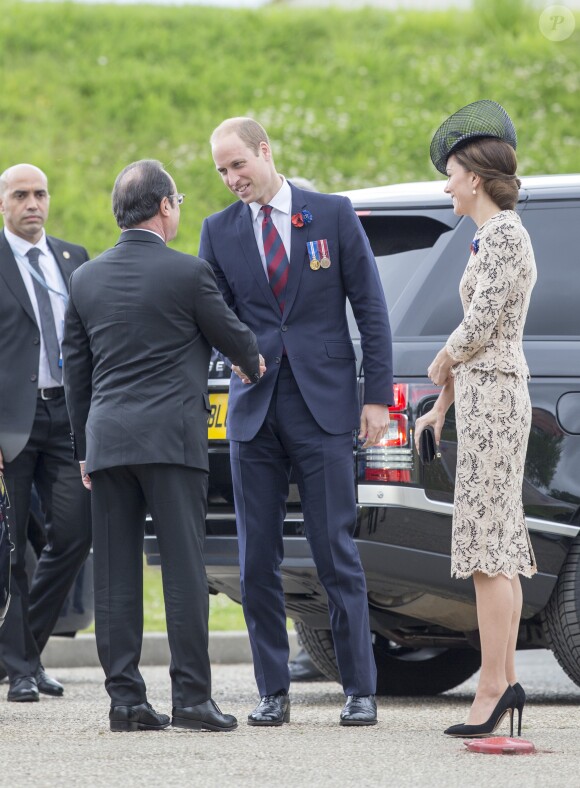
(247, 129)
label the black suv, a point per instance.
(424, 623)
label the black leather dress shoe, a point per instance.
(23, 690)
(48, 685)
(359, 710)
(303, 668)
(271, 710)
(203, 717)
(137, 718)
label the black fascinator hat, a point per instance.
(481, 119)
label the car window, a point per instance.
(416, 254)
(555, 303)
(401, 245)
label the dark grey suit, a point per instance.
(35, 442)
(138, 334)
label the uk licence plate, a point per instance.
(216, 423)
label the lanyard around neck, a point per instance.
(42, 281)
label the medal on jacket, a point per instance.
(325, 258)
(313, 254)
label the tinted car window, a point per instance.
(421, 262)
(401, 245)
(555, 304)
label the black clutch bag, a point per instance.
(428, 450)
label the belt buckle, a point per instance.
(42, 397)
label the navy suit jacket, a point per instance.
(313, 328)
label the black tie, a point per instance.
(47, 323)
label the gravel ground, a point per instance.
(66, 741)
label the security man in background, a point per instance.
(34, 426)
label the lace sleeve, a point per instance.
(499, 259)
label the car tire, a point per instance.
(400, 670)
(561, 616)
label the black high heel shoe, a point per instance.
(505, 705)
(520, 703)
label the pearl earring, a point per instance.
(474, 191)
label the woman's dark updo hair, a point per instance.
(495, 162)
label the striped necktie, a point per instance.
(276, 257)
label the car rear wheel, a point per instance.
(400, 670)
(561, 616)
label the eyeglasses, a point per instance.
(180, 197)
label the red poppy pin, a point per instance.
(301, 218)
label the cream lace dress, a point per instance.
(492, 403)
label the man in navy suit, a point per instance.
(286, 262)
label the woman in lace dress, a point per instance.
(483, 370)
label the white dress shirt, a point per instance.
(281, 216)
(53, 277)
(144, 230)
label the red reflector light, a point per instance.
(387, 475)
(401, 397)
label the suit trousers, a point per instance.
(323, 465)
(176, 497)
(47, 462)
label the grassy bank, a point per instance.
(350, 98)
(224, 615)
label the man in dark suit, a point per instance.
(286, 262)
(34, 426)
(139, 328)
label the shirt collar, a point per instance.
(281, 201)
(143, 230)
(20, 246)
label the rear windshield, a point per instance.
(421, 261)
(402, 246)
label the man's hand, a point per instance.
(242, 375)
(374, 424)
(85, 477)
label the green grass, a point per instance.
(224, 614)
(350, 98)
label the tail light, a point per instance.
(401, 397)
(392, 459)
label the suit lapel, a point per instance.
(10, 272)
(63, 258)
(252, 255)
(298, 240)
